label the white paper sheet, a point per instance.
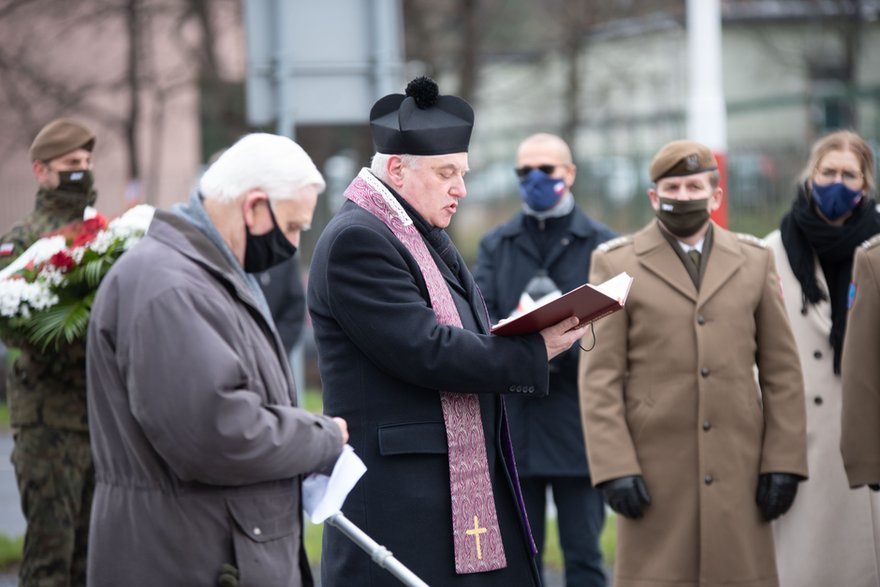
(323, 496)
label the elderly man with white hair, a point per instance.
(199, 448)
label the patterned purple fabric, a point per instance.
(477, 537)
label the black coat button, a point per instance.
(817, 354)
(707, 425)
(708, 479)
(701, 319)
(704, 371)
(817, 400)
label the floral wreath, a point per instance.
(46, 294)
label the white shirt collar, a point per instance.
(686, 247)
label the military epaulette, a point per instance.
(751, 239)
(615, 243)
(871, 242)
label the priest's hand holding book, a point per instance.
(563, 320)
(559, 337)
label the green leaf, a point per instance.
(65, 322)
(95, 271)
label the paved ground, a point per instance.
(12, 523)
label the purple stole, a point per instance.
(476, 534)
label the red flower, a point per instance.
(96, 223)
(81, 232)
(62, 260)
(90, 228)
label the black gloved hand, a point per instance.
(776, 493)
(874, 486)
(627, 495)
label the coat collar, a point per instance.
(463, 284)
(580, 227)
(182, 236)
(656, 255)
(725, 260)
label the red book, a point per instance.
(588, 302)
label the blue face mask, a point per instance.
(835, 199)
(541, 192)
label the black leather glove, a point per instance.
(627, 496)
(776, 493)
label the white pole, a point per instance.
(706, 115)
(380, 555)
(283, 74)
(706, 111)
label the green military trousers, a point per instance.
(56, 481)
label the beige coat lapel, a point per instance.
(656, 255)
(724, 260)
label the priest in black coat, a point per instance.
(407, 359)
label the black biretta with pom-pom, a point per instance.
(421, 122)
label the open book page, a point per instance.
(617, 287)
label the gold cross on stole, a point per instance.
(475, 532)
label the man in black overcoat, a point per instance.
(406, 358)
(546, 246)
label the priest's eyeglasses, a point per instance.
(526, 169)
(829, 174)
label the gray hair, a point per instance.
(271, 163)
(379, 165)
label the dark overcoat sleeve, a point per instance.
(374, 290)
(484, 275)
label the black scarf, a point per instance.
(805, 234)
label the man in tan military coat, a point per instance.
(860, 426)
(693, 452)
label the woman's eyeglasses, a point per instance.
(829, 175)
(526, 169)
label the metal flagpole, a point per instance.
(380, 555)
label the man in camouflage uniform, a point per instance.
(46, 388)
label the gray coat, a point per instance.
(198, 448)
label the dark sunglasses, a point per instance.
(526, 169)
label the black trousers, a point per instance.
(580, 518)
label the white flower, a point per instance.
(135, 221)
(38, 252)
(18, 297)
(52, 276)
(102, 242)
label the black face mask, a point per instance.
(683, 218)
(78, 182)
(262, 251)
